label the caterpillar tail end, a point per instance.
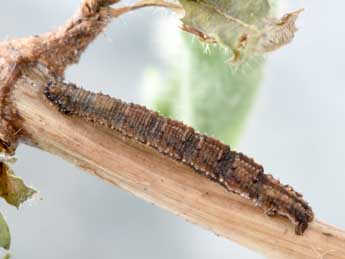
(248, 178)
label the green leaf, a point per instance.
(245, 27)
(202, 90)
(5, 236)
(12, 188)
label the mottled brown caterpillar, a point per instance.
(206, 155)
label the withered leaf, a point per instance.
(5, 236)
(246, 27)
(12, 188)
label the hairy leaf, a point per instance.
(245, 27)
(12, 188)
(5, 237)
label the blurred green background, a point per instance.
(203, 89)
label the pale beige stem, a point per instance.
(116, 12)
(170, 185)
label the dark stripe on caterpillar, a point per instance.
(207, 156)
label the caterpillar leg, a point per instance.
(272, 211)
(300, 228)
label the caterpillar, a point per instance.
(233, 170)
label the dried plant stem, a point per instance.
(116, 12)
(168, 184)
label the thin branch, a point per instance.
(116, 12)
(168, 184)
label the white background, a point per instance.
(296, 130)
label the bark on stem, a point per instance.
(168, 184)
